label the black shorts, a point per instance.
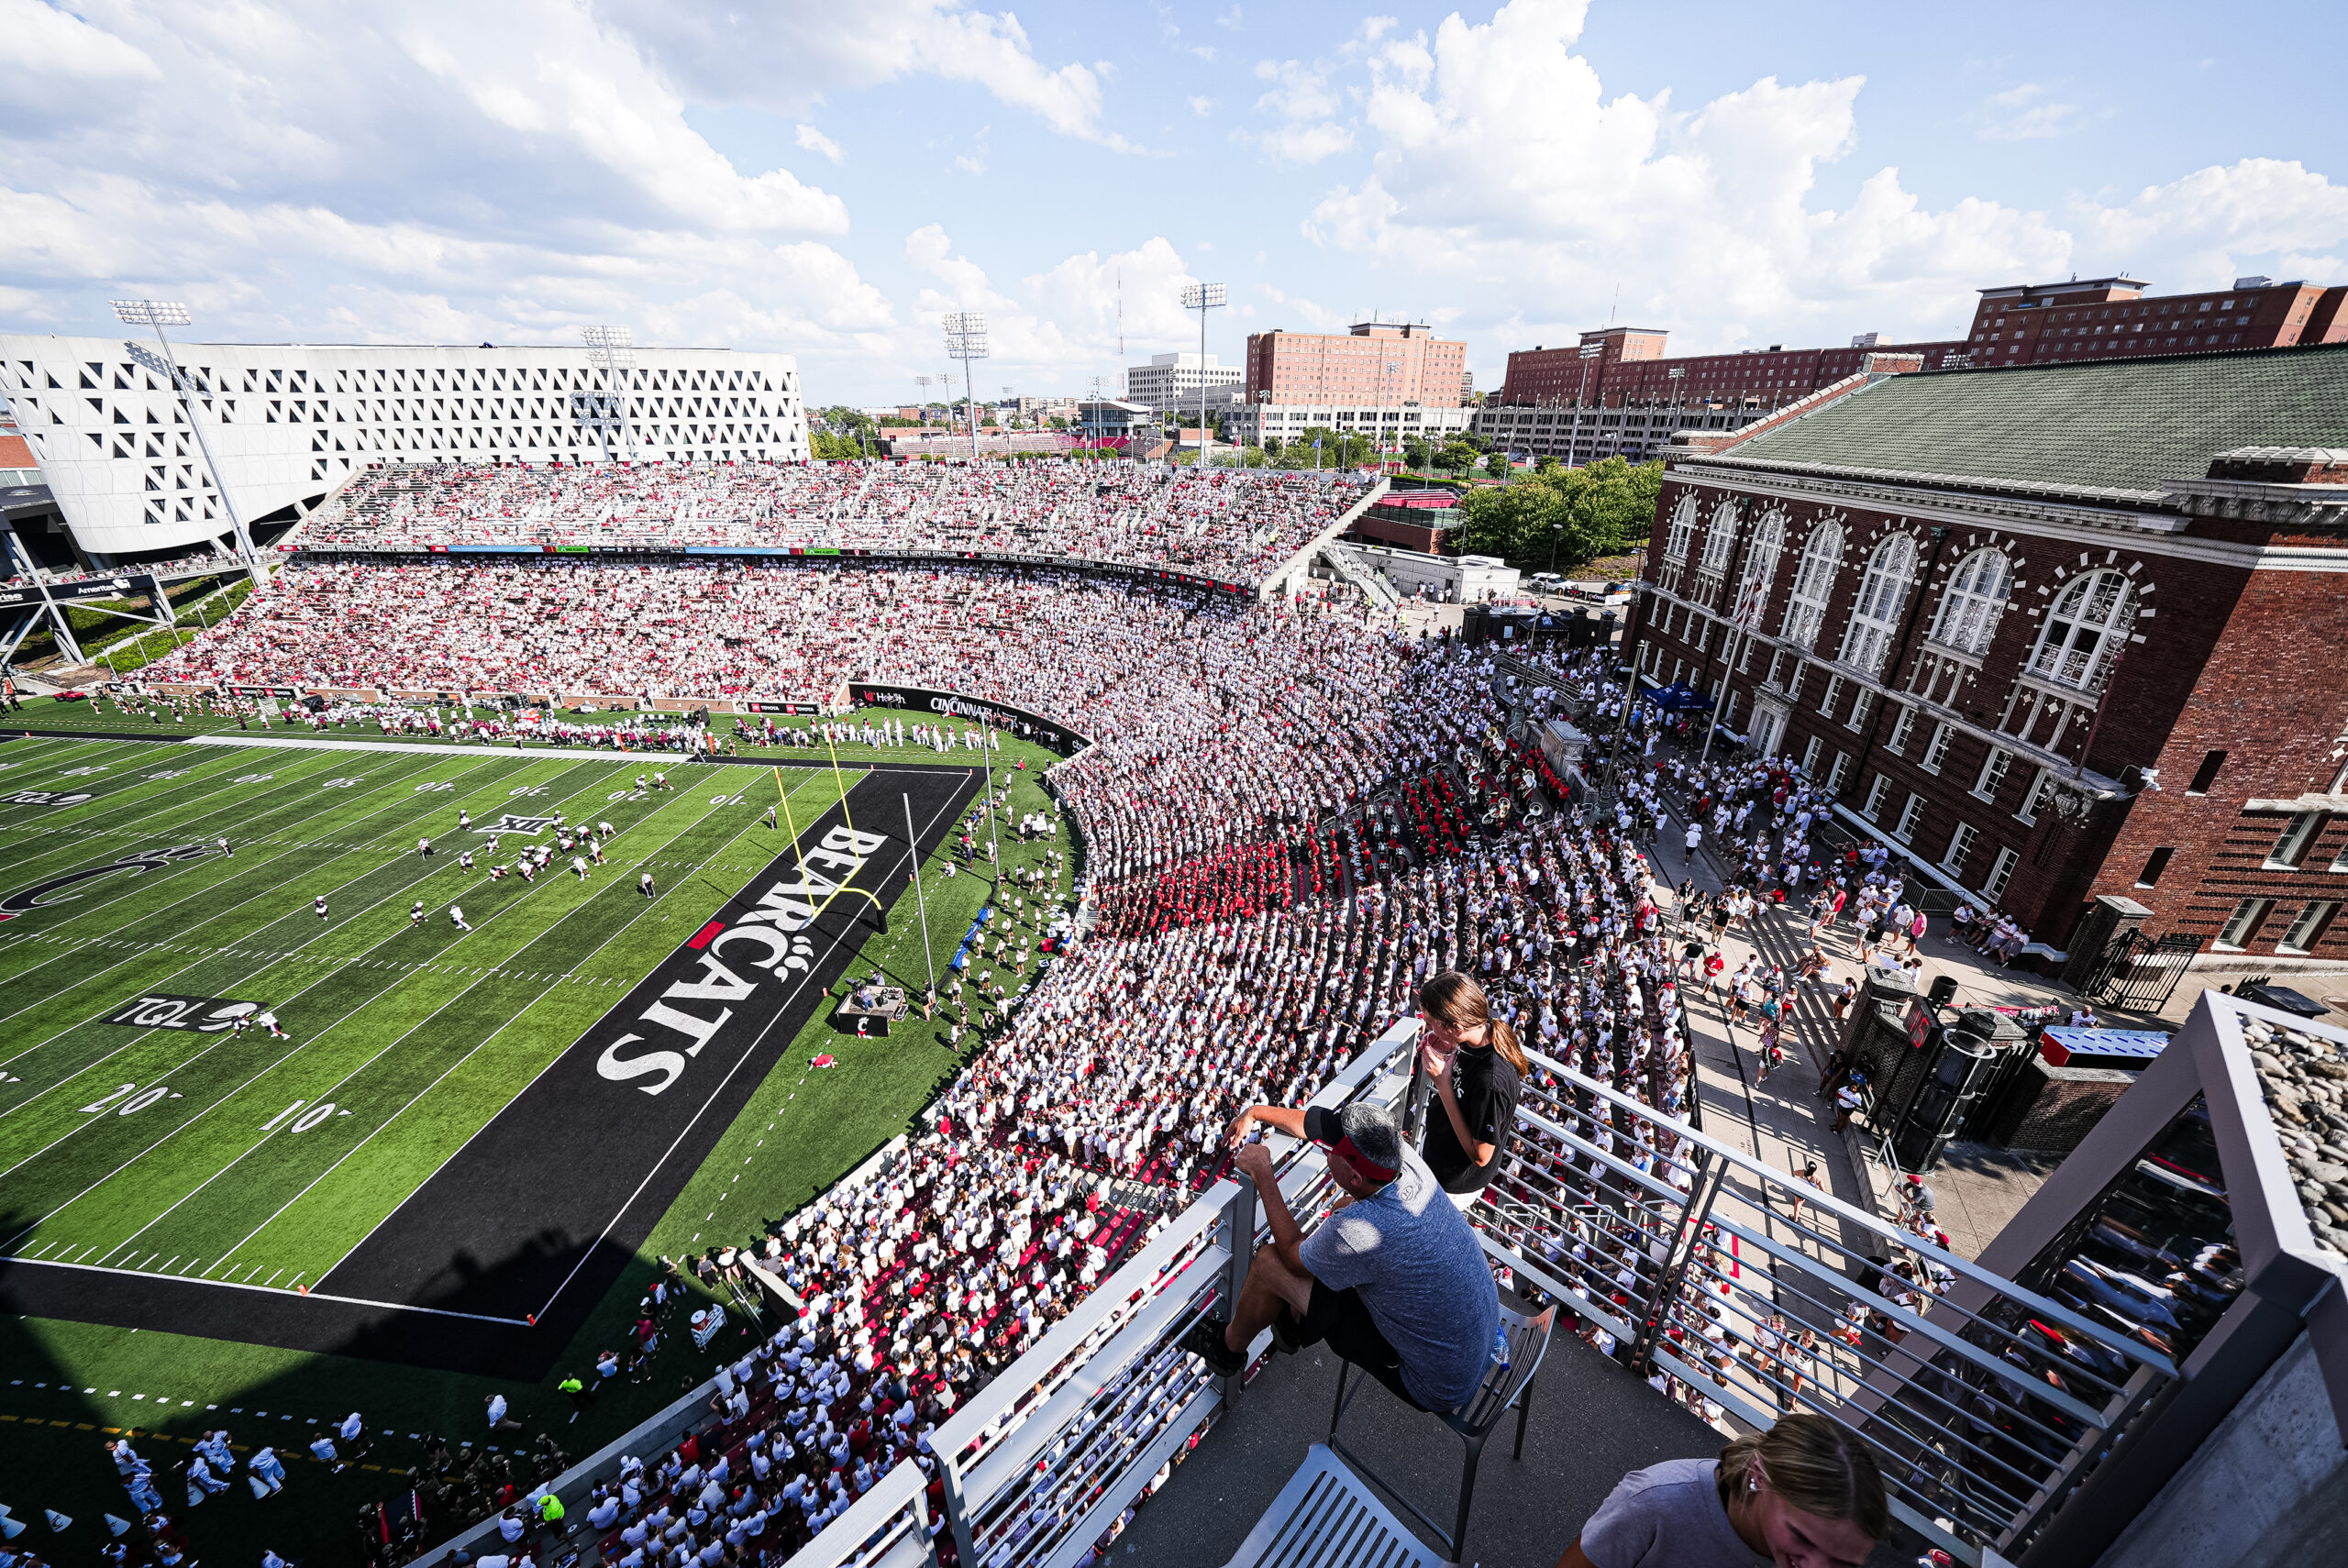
(1338, 1318)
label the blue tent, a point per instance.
(1678, 697)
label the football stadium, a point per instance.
(799, 1012)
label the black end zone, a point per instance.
(494, 1264)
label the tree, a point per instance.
(1416, 453)
(1561, 517)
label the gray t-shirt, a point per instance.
(1423, 1276)
(1666, 1515)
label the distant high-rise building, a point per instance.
(1170, 382)
(1383, 364)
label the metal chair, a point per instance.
(1506, 1383)
(1325, 1517)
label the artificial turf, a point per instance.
(422, 1035)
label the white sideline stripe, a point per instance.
(312, 1296)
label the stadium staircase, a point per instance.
(1352, 568)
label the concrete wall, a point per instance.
(2269, 1488)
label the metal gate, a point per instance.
(2136, 972)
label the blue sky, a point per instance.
(827, 180)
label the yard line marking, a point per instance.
(515, 903)
(648, 907)
(139, 949)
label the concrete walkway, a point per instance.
(1783, 1121)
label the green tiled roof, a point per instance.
(2127, 426)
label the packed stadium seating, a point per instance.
(1236, 524)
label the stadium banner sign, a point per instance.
(120, 586)
(751, 705)
(954, 705)
(285, 693)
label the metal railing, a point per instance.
(1038, 1464)
(1764, 1294)
(1756, 1292)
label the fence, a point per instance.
(1985, 1406)
(1763, 1295)
(1038, 1464)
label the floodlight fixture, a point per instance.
(152, 313)
(966, 339)
(610, 349)
(158, 315)
(1202, 298)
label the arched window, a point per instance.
(1881, 593)
(1760, 569)
(1722, 535)
(2087, 630)
(1975, 599)
(1682, 537)
(1813, 584)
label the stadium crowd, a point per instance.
(1288, 821)
(1232, 524)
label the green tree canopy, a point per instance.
(1558, 517)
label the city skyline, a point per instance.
(828, 186)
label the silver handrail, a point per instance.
(1981, 1420)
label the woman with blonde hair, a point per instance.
(1805, 1494)
(1478, 1069)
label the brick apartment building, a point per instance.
(2033, 323)
(1628, 369)
(1377, 364)
(1920, 586)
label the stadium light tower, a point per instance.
(1202, 298)
(611, 349)
(966, 339)
(160, 314)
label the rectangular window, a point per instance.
(1860, 703)
(1793, 685)
(1777, 661)
(2291, 845)
(2037, 792)
(1937, 753)
(1834, 778)
(1875, 792)
(1833, 695)
(2207, 774)
(1745, 658)
(2244, 923)
(1993, 773)
(2001, 873)
(1960, 848)
(2154, 864)
(1902, 727)
(1810, 758)
(2308, 929)
(1909, 814)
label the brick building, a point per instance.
(2097, 319)
(1628, 369)
(1920, 586)
(1374, 364)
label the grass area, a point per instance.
(421, 1035)
(99, 621)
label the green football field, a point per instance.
(134, 1139)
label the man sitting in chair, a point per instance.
(1394, 1280)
